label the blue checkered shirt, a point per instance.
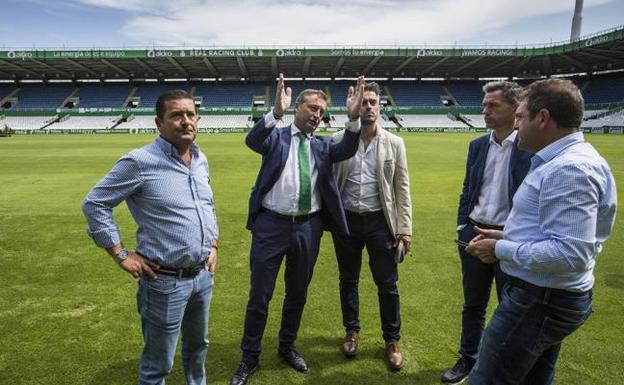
(171, 204)
(562, 214)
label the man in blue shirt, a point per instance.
(562, 214)
(166, 187)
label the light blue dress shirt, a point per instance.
(562, 214)
(171, 203)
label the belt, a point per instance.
(484, 226)
(545, 291)
(290, 218)
(355, 214)
(186, 272)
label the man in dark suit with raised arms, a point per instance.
(294, 196)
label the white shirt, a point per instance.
(284, 195)
(361, 191)
(493, 207)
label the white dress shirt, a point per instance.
(283, 197)
(361, 191)
(492, 206)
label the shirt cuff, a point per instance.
(269, 120)
(353, 126)
(506, 250)
(106, 238)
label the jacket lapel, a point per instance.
(381, 154)
(513, 160)
(481, 161)
(285, 138)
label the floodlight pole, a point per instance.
(577, 20)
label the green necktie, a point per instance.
(305, 193)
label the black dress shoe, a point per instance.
(458, 373)
(294, 359)
(243, 373)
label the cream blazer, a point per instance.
(392, 180)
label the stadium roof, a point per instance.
(603, 51)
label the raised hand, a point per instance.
(283, 97)
(354, 99)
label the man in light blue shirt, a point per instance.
(562, 214)
(166, 187)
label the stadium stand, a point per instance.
(149, 92)
(424, 121)
(604, 90)
(110, 95)
(236, 87)
(28, 123)
(385, 122)
(476, 121)
(338, 91)
(138, 122)
(6, 89)
(467, 94)
(42, 96)
(85, 123)
(229, 94)
(297, 87)
(286, 120)
(612, 119)
(338, 120)
(417, 94)
(224, 121)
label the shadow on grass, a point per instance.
(327, 366)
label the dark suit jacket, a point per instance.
(274, 144)
(519, 164)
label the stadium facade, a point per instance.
(424, 88)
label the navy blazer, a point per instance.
(274, 144)
(519, 165)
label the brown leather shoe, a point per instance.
(394, 356)
(350, 344)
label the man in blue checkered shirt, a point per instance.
(562, 214)
(166, 186)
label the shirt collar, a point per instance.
(294, 131)
(549, 152)
(170, 149)
(510, 138)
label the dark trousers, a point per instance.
(272, 240)
(370, 231)
(522, 341)
(477, 282)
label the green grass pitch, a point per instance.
(68, 314)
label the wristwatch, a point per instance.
(120, 256)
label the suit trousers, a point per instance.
(272, 240)
(477, 282)
(371, 231)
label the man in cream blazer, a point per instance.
(374, 189)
